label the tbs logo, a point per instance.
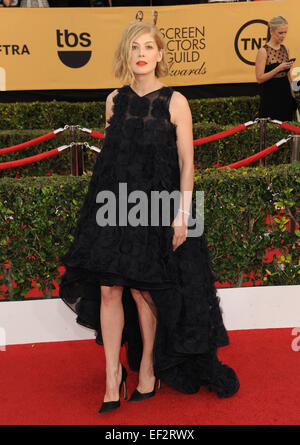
(73, 58)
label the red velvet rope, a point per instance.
(55, 151)
(253, 158)
(214, 137)
(97, 135)
(93, 133)
(29, 160)
(222, 134)
(290, 127)
(35, 141)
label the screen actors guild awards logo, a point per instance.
(184, 47)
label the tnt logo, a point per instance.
(249, 38)
(2, 339)
(74, 58)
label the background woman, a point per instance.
(277, 98)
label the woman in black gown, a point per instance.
(277, 98)
(149, 286)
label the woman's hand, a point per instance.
(260, 65)
(180, 230)
(285, 66)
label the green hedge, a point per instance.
(237, 202)
(40, 115)
(223, 151)
(38, 216)
(225, 111)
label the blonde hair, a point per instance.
(274, 23)
(121, 68)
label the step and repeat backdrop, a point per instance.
(66, 48)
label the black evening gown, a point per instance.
(276, 100)
(140, 149)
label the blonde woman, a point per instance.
(273, 64)
(154, 282)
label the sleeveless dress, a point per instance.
(276, 100)
(140, 150)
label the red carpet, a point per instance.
(63, 384)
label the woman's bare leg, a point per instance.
(112, 324)
(147, 322)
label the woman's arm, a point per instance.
(289, 75)
(181, 116)
(260, 65)
(109, 106)
(291, 85)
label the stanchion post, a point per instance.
(76, 154)
(72, 130)
(295, 155)
(80, 161)
(263, 129)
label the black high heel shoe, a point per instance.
(106, 407)
(138, 396)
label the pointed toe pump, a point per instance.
(106, 407)
(138, 396)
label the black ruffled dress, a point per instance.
(140, 150)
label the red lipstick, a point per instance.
(141, 63)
